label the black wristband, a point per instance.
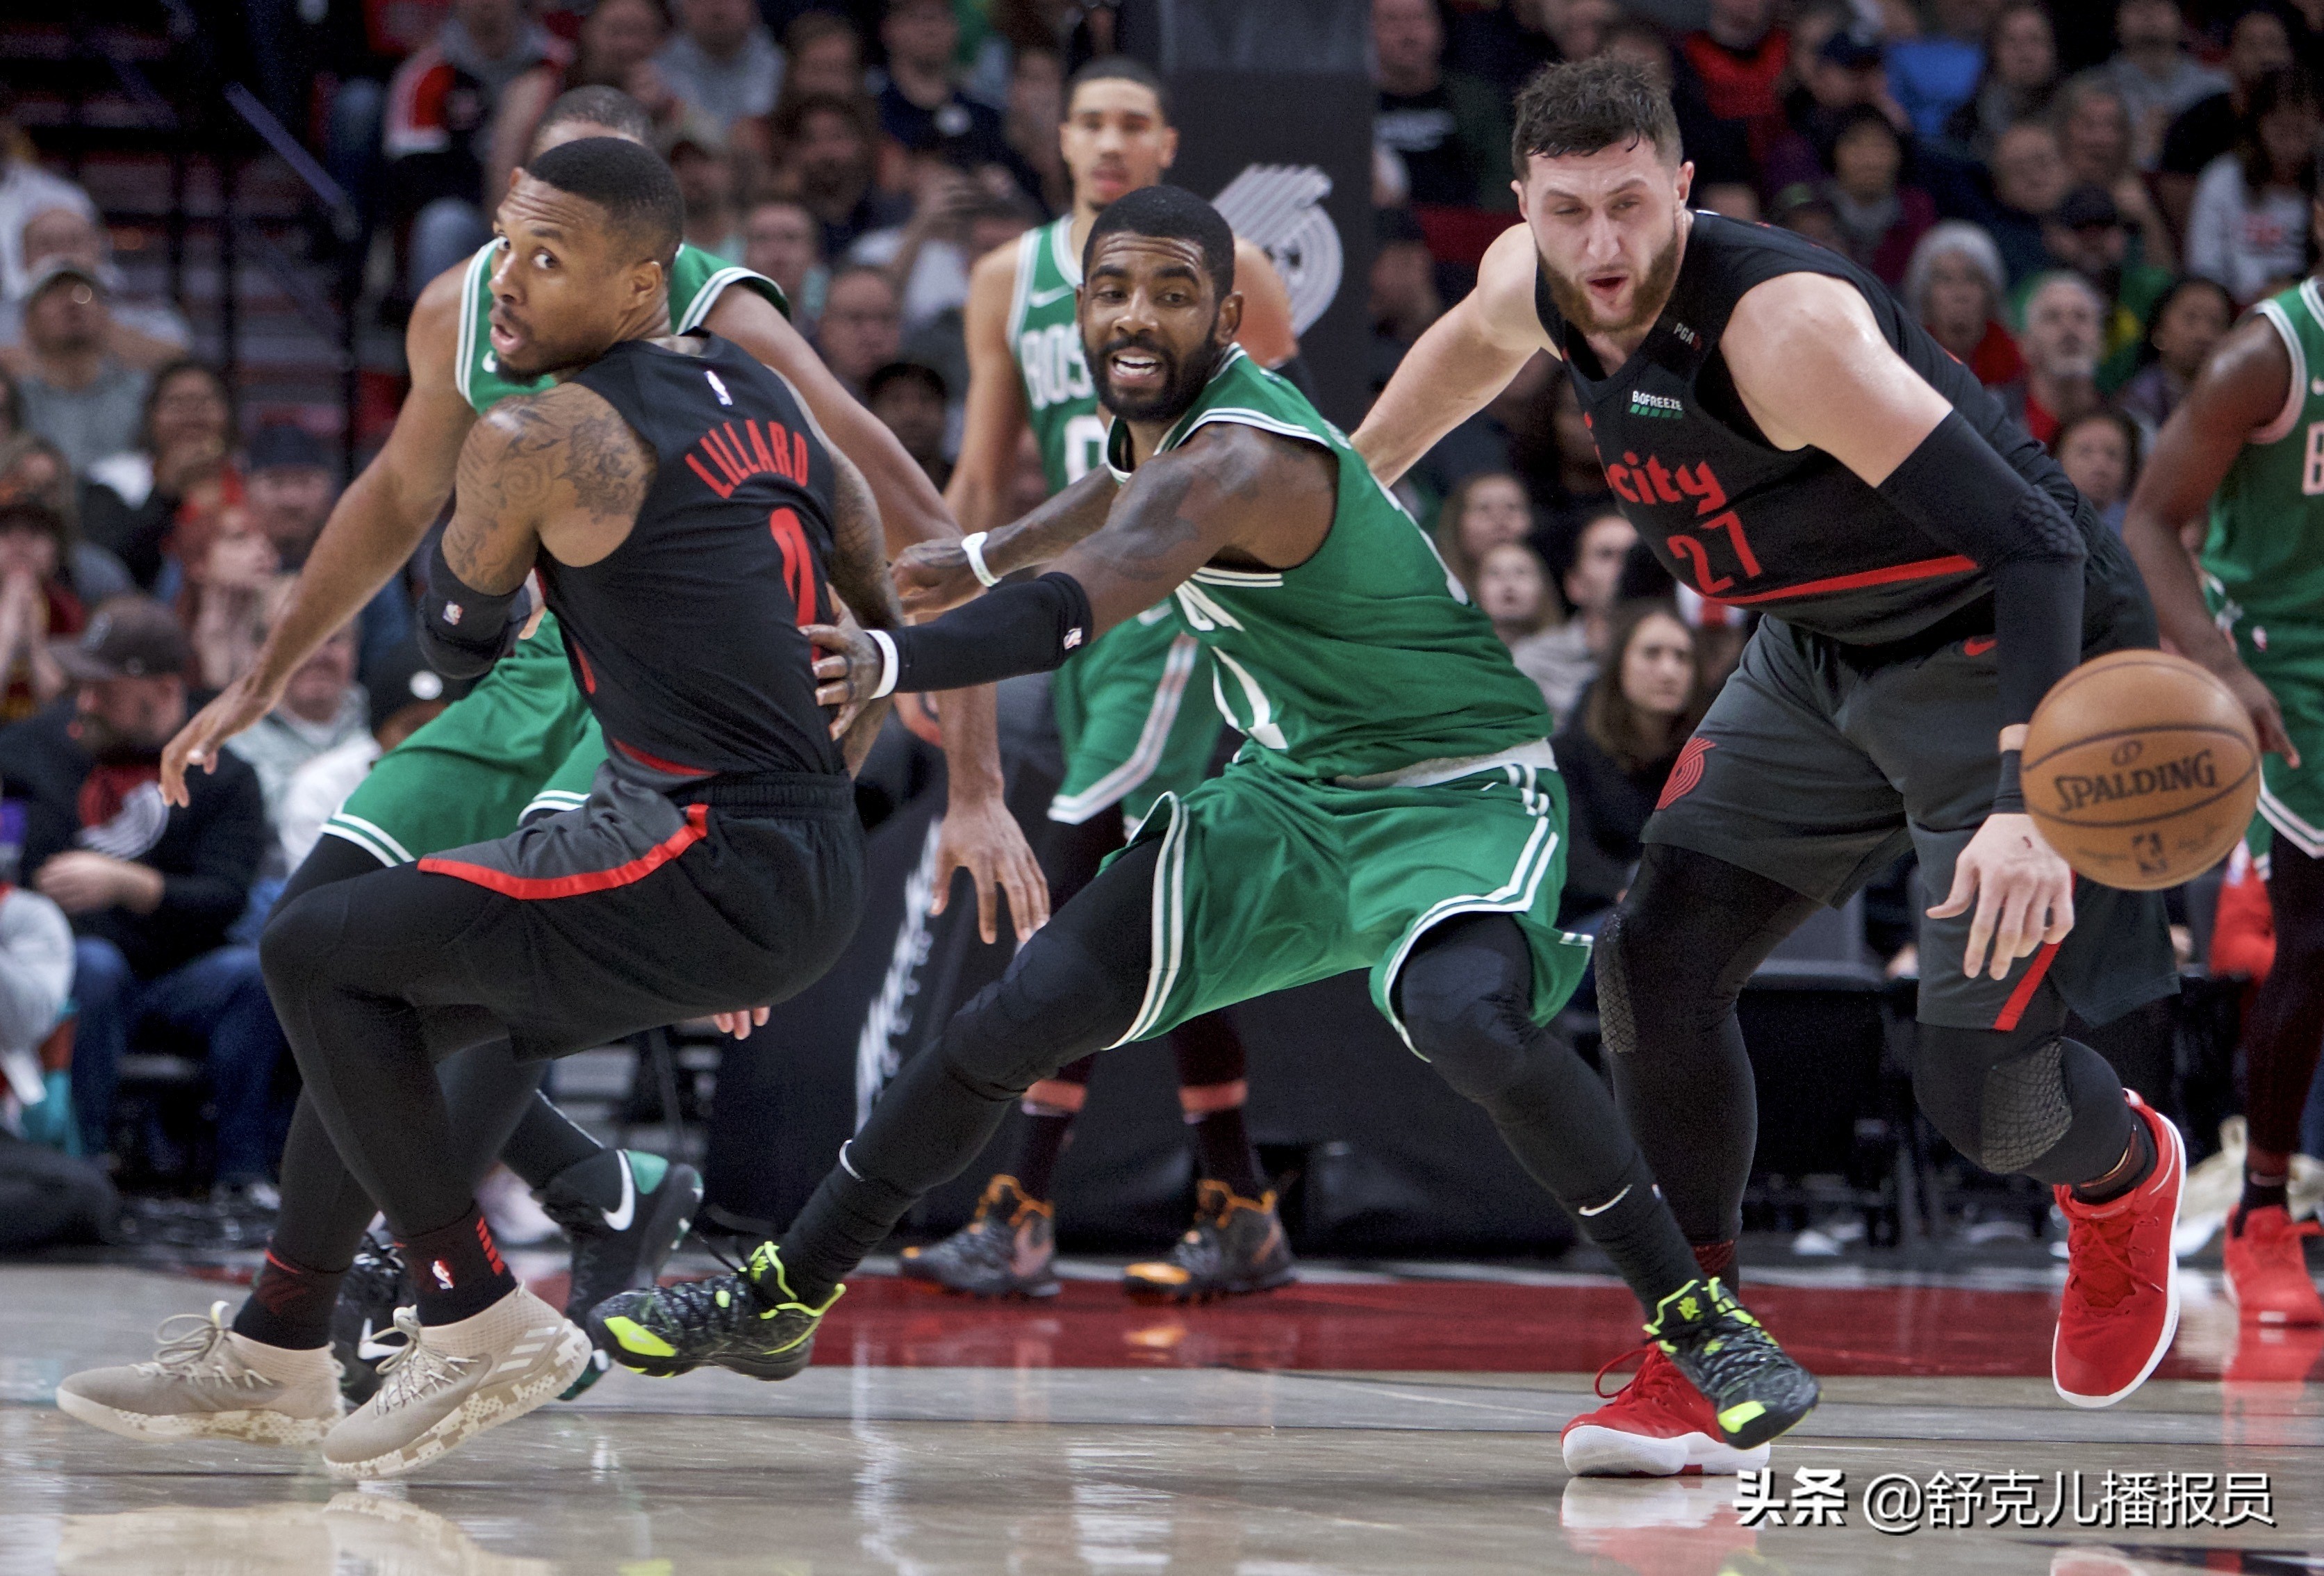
(463, 631)
(1020, 627)
(2008, 793)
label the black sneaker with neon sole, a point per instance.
(748, 1320)
(1756, 1391)
(622, 1248)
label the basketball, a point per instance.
(2141, 768)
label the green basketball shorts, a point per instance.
(1136, 718)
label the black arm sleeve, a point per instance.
(1959, 490)
(1027, 628)
(463, 631)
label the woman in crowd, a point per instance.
(1481, 514)
(2021, 74)
(159, 507)
(1513, 591)
(1617, 749)
(2099, 452)
(2248, 228)
(2094, 131)
(2194, 316)
(1881, 220)
(1954, 285)
(34, 468)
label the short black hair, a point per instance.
(633, 186)
(609, 107)
(906, 372)
(1122, 68)
(1579, 106)
(1177, 214)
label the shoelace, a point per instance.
(2099, 1252)
(1650, 1376)
(193, 1346)
(417, 1368)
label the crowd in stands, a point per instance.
(2076, 200)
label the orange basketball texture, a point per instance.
(2140, 769)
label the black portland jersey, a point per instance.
(1794, 532)
(685, 638)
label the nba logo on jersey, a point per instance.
(718, 388)
(443, 1273)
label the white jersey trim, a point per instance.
(2296, 396)
(1161, 716)
(1435, 773)
(464, 347)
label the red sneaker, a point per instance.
(2267, 1274)
(2121, 1306)
(1658, 1425)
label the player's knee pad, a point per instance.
(2002, 1099)
(1057, 1002)
(1675, 957)
(1466, 997)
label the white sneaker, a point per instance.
(452, 1380)
(206, 1382)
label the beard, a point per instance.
(1649, 293)
(1182, 382)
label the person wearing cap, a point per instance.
(77, 391)
(400, 698)
(289, 486)
(145, 333)
(151, 891)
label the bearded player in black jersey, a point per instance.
(685, 517)
(1786, 439)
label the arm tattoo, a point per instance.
(859, 557)
(1190, 498)
(1073, 514)
(531, 461)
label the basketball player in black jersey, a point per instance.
(1786, 439)
(685, 517)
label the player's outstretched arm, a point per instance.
(1467, 356)
(933, 576)
(2240, 389)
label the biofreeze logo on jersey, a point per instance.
(1054, 371)
(1658, 405)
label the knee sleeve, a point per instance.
(1466, 995)
(2028, 1101)
(1677, 953)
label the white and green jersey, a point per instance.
(1367, 659)
(2264, 555)
(1046, 338)
(697, 279)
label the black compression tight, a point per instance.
(2286, 1023)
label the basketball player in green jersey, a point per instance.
(1395, 808)
(2248, 440)
(524, 741)
(1134, 715)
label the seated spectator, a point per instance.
(2192, 317)
(2259, 47)
(615, 49)
(33, 469)
(1563, 660)
(826, 154)
(2086, 236)
(2064, 319)
(289, 490)
(76, 391)
(2249, 226)
(927, 256)
(322, 707)
(1578, 493)
(1838, 71)
(722, 60)
(1513, 591)
(404, 696)
(2021, 75)
(151, 890)
(706, 182)
(1403, 299)
(862, 329)
(1737, 61)
(1616, 752)
(438, 139)
(2099, 452)
(45, 1197)
(1449, 130)
(1734, 199)
(1487, 510)
(2153, 72)
(2029, 182)
(1934, 74)
(25, 189)
(37, 602)
(1954, 286)
(1720, 151)
(910, 400)
(226, 582)
(1037, 108)
(1806, 208)
(781, 240)
(1880, 219)
(2094, 130)
(823, 55)
(921, 106)
(141, 334)
(166, 498)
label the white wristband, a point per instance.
(890, 664)
(973, 544)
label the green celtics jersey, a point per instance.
(1368, 657)
(1046, 341)
(2265, 553)
(695, 280)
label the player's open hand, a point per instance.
(931, 576)
(237, 706)
(980, 837)
(2023, 891)
(2267, 717)
(846, 675)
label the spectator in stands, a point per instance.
(1403, 299)
(322, 708)
(1512, 589)
(1563, 660)
(1503, 45)
(402, 696)
(2099, 452)
(2192, 317)
(863, 326)
(1954, 286)
(722, 61)
(705, 169)
(2064, 319)
(2087, 236)
(33, 470)
(151, 890)
(920, 104)
(25, 189)
(228, 580)
(1617, 750)
(1487, 510)
(76, 391)
(2157, 78)
(1449, 130)
(1577, 492)
(2029, 182)
(1934, 74)
(2259, 47)
(2021, 76)
(45, 1197)
(2094, 131)
(36, 600)
(1037, 108)
(1738, 61)
(440, 106)
(927, 256)
(615, 49)
(910, 400)
(1880, 219)
(166, 497)
(2249, 226)
(288, 488)
(824, 55)
(1840, 73)
(826, 152)
(782, 240)
(1805, 208)
(143, 334)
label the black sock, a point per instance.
(546, 1144)
(2136, 1165)
(595, 1179)
(2263, 1189)
(1047, 1131)
(1633, 1227)
(1223, 1149)
(290, 1306)
(457, 1269)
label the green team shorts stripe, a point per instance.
(1268, 880)
(471, 774)
(2291, 797)
(1134, 720)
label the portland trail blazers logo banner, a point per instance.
(1280, 207)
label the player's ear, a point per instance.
(1685, 179)
(1169, 146)
(1230, 318)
